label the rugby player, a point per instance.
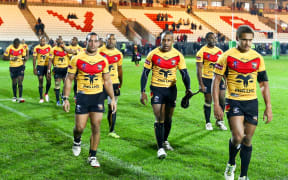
(41, 54)
(242, 67)
(93, 72)
(115, 60)
(206, 58)
(17, 56)
(164, 62)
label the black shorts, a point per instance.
(248, 109)
(16, 71)
(89, 103)
(208, 85)
(59, 73)
(116, 90)
(162, 95)
(42, 70)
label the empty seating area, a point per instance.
(148, 19)
(223, 23)
(89, 19)
(14, 25)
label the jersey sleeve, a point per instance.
(199, 56)
(24, 52)
(34, 51)
(51, 54)
(182, 63)
(120, 62)
(72, 68)
(106, 68)
(148, 61)
(221, 64)
(262, 65)
(7, 51)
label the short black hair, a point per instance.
(244, 29)
(16, 41)
(166, 33)
(208, 34)
(91, 34)
(43, 37)
(109, 35)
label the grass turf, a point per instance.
(36, 139)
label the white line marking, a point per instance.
(130, 167)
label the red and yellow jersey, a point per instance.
(25, 46)
(241, 70)
(76, 48)
(90, 70)
(20, 52)
(115, 59)
(208, 56)
(164, 66)
(42, 54)
(61, 58)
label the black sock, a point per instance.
(113, 122)
(109, 117)
(233, 150)
(92, 153)
(41, 92)
(14, 87)
(20, 87)
(57, 94)
(48, 85)
(207, 112)
(77, 139)
(245, 155)
(167, 128)
(159, 132)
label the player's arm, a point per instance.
(120, 75)
(6, 55)
(264, 86)
(34, 65)
(67, 88)
(109, 89)
(144, 78)
(186, 79)
(218, 112)
(199, 66)
(69, 51)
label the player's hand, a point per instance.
(218, 112)
(14, 58)
(268, 115)
(143, 98)
(66, 106)
(35, 71)
(113, 106)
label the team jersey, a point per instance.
(77, 48)
(42, 54)
(241, 70)
(25, 46)
(20, 52)
(115, 59)
(90, 70)
(61, 58)
(164, 66)
(208, 56)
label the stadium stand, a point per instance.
(13, 24)
(222, 22)
(89, 19)
(148, 19)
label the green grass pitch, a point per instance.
(36, 139)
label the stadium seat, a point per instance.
(222, 22)
(89, 19)
(14, 25)
(148, 19)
